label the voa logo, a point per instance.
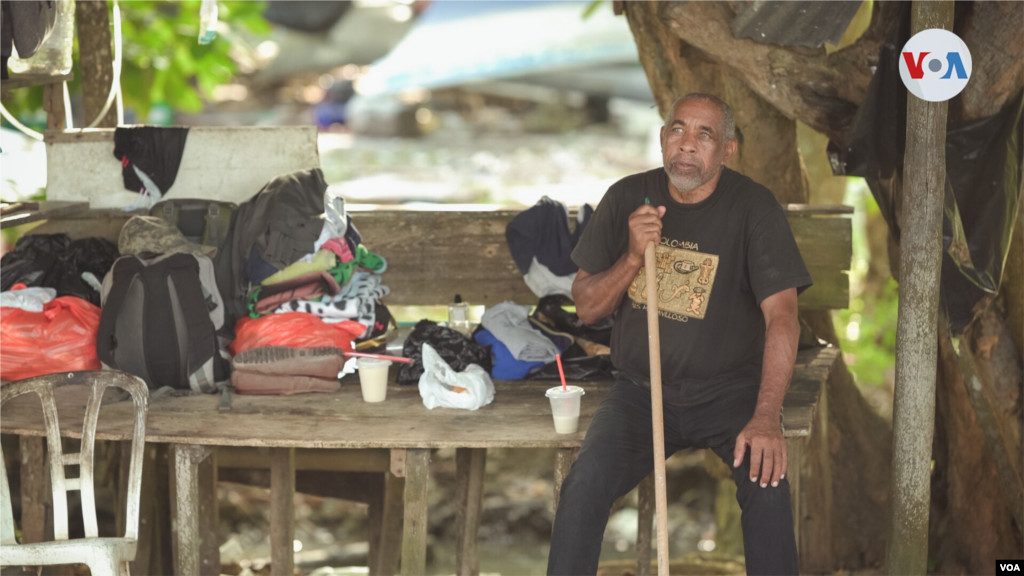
(935, 65)
(1007, 566)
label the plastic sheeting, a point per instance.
(54, 261)
(61, 338)
(983, 169)
(293, 330)
(457, 350)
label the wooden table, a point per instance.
(289, 432)
(519, 417)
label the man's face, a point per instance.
(693, 147)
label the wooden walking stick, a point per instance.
(657, 417)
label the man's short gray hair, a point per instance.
(728, 121)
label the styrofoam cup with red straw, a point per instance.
(565, 403)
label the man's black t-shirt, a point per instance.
(718, 259)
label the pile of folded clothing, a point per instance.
(525, 346)
(306, 256)
(285, 371)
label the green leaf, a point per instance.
(591, 9)
(183, 59)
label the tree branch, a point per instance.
(805, 84)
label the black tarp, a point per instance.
(983, 176)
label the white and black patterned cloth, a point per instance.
(357, 301)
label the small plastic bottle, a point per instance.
(458, 316)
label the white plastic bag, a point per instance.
(439, 382)
(28, 299)
(207, 21)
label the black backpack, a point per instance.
(159, 321)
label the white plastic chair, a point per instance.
(104, 556)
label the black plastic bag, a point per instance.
(93, 255)
(54, 261)
(983, 170)
(35, 261)
(457, 350)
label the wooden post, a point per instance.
(53, 103)
(795, 457)
(414, 537)
(645, 525)
(924, 177)
(96, 61)
(470, 464)
(811, 487)
(282, 511)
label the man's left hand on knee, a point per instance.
(768, 457)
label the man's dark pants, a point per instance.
(617, 454)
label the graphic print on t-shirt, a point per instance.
(685, 279)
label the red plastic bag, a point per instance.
(294, 330)
(61, 338)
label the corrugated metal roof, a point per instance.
(794, 23)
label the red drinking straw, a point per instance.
(558, 358)
(378, 357)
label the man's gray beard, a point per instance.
(685, 183)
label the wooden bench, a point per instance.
(434, 255)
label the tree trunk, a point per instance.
(967, 529)
(96, 61)
(767, 151)
(859, 438)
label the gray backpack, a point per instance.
(159, 322)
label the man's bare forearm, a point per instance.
(782, 335)
(598, 295)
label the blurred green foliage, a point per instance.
(867, 329)
(591, 8)
(163, 61)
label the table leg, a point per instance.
(563, 463)
(34, 485)
(209, 518)
(645, 525)
(795, 449)
(385, 514)
(187, 459)
(470, 463)
(414, 537)
(282, 511)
